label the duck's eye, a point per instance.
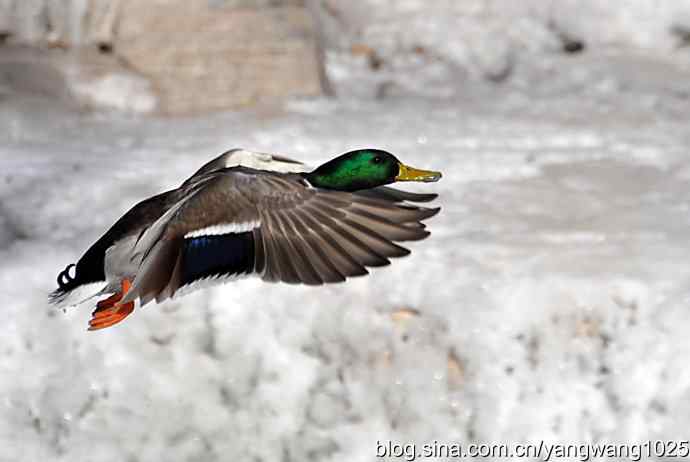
(377, 160)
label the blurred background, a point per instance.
(549, 303)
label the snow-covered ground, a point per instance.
(550, 302)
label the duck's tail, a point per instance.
(73, 290)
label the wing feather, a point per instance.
(395, 195)
(355, 247)
(332, 251)
(384, 227)
(301, 262)
(313, 248)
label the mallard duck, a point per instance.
(246, 213)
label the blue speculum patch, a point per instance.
(217, 255)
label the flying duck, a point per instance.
(247, 213)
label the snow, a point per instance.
(123, 92)
(440, 47)
(549, 303)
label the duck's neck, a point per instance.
(327, 181)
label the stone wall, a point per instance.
(204, 57)
(196, 55)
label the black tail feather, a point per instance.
(65, 281)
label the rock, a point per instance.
(81, 78)
(202, 55)
(27, 70)
(119, 89)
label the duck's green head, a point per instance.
(365, 169)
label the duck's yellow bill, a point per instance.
(407, 173)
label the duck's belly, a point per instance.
(121, 262)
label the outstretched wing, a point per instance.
(240, 221)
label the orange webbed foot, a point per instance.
(110, 316)
(108, 302)
(109, 311)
